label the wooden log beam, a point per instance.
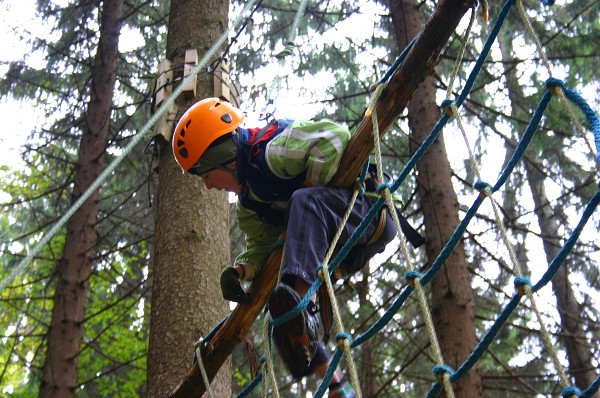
(233, 330)
(417, 65)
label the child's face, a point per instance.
(220, 179)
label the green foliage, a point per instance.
(112, 361)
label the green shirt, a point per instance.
(304, 146)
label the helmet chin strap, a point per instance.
(227, 169)
(215, 166)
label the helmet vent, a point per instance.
(188, 123)
(183, 152)
(226, 118)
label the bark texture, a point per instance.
(452, 296)
(368, 365)
(192, 229)
(59, 377)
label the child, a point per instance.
(280, 173)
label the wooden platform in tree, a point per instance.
(417, 65)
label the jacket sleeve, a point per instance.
(312, 147)
(260, 240)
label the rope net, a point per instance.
(417, 282)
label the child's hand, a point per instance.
(232, 288)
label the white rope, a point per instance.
(513, 257)
(203, 370)
(344, 344)
(415, 283)
(461, 53)
(289, 46)
(579, 128)
(269, 363)
(113, 165)
(276, 83)
(558, 91)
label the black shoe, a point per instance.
(297, 339)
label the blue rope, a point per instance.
(593, 389)
(527, 136)
(424, 147)
(481, 348)
(507, 311)
(398, 61)
(590, 115)
(248, 389)
(456, 237)
(568, 392)
(335, 361)
(439, 369)
(361, 179)
(452, 242)
(385, 319)
(568, 246)
(484, 52)
(522, 281)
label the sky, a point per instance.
(17, 19)
(15, 15)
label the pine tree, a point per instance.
(192, 227)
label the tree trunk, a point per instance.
(192, 227)
(572, 325)
(368, 375)
(59, 377)
(578, 351)
(452, 297)
(392, 102)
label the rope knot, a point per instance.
(447, 106)
(520, 283)
(382, 186)
(410, 277)
(360, 187)
(320, 273)
(571, 391)
(288, 50)
(440, 370)
(482, 186)
(344, 340)
(554, 85)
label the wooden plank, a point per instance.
(418, 64)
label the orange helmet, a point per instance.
(201, 125)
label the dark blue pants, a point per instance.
(313, 217)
